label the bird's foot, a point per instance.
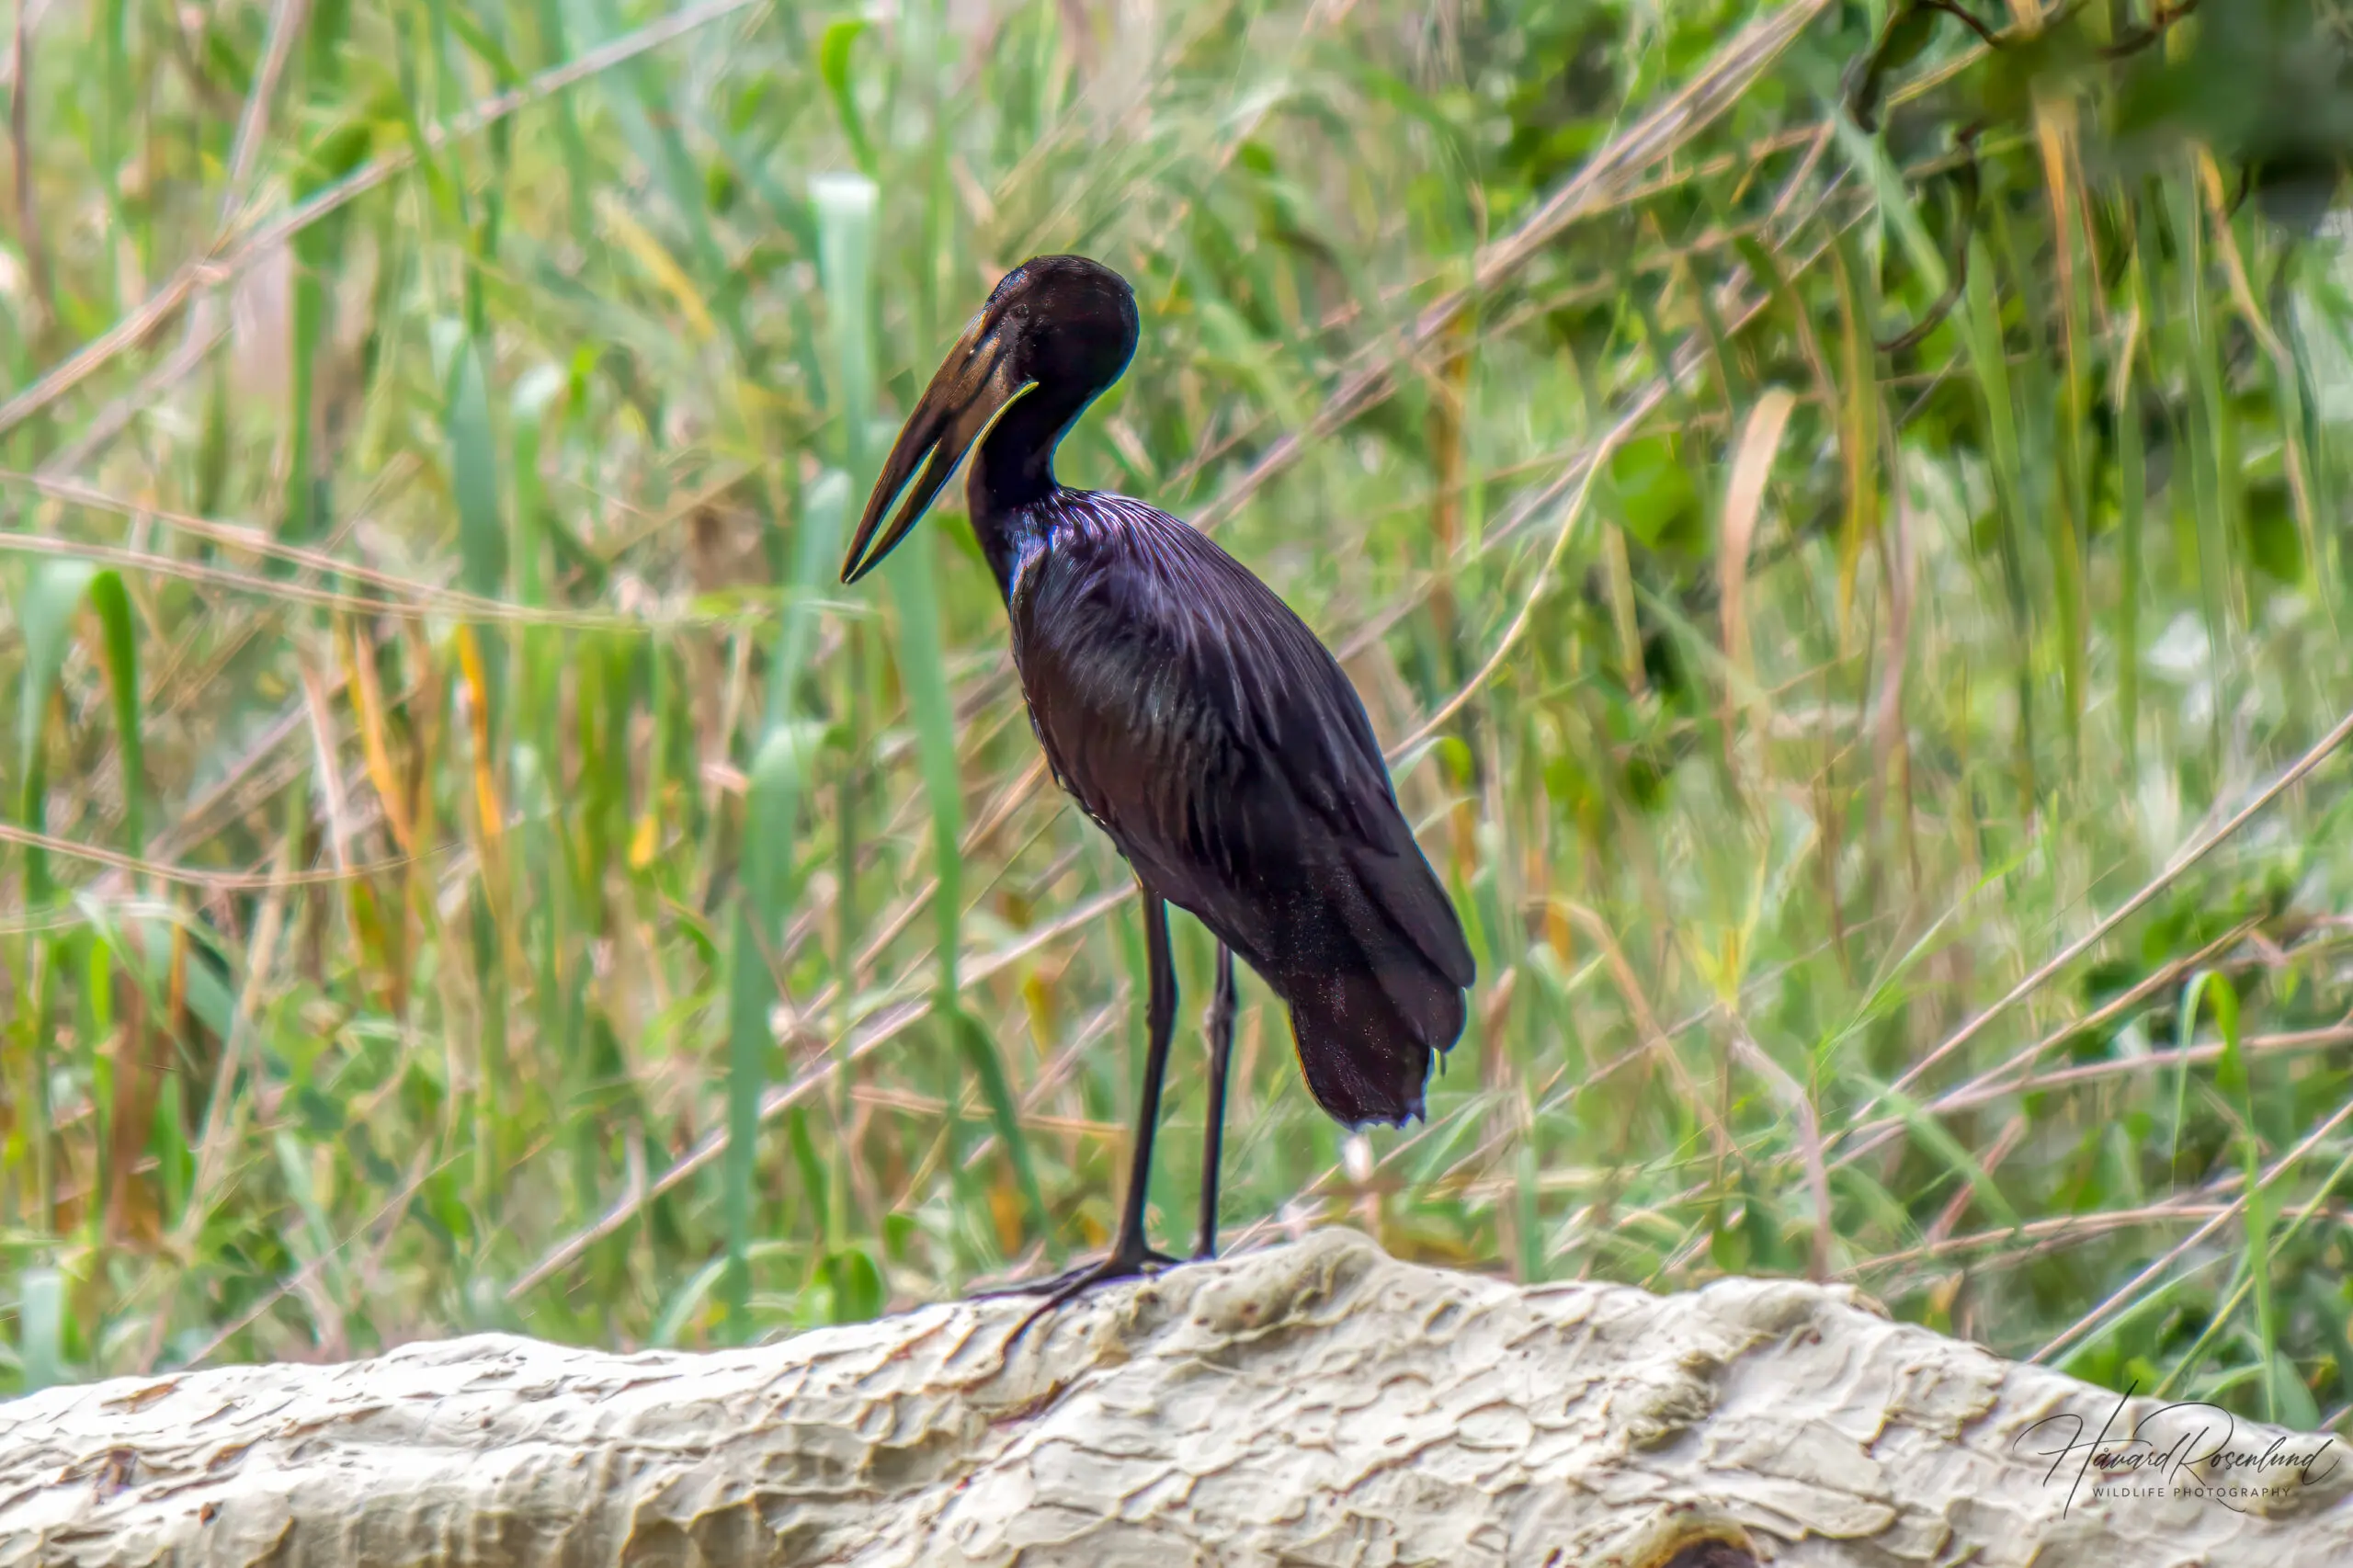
(1061, 1287)
(1128, 1263)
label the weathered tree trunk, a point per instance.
(1314, 1405)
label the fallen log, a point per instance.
(1320, 1404)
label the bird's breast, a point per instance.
(1128, 724)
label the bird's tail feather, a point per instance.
(1402, 886)
(1367, 1031)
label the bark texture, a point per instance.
(1314, 1405)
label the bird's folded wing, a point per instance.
(1201, 722)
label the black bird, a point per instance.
(1196, 719)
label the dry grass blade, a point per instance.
(1790, 1092)
(2130, 1290)
(1586, 470)
(221, 262)
(286, 20)
(2004, 1079)
(2188, 857)
(1712, 90)
(189, 875)
(420, 600)
(1760, 438)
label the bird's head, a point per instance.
(1061, 323)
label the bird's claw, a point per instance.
(1136, 1264)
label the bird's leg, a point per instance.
(1218, 1027)
(1129, 1255)
(1129, 1247)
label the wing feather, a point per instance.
(1194, 716)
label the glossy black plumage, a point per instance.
(1193, 716)
(1200, 722)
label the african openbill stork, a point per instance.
(1197, 720)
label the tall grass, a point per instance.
(469, 866)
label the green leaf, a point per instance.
(980, 1055)
(2184, 1036)
(832, 65)
(2232, 1077)
(1932, 1135)
(806, 1160)
(855, 1281)
(45, 619)
(771, 799)
(483, 46)
(533, 393)
(816, 549)
(473, 477)
(113, 606)
(41, 1328)
(923, 671)
(846, 210)
(2230, 1072)
(683, 1303)
(1655, 497)
(771, 815)
(750, 991)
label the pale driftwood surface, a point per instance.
(1314, 1405)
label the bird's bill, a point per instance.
(970, 388)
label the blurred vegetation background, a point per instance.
(467, 865)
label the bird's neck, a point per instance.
(1013, 470)
(1015, 466)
